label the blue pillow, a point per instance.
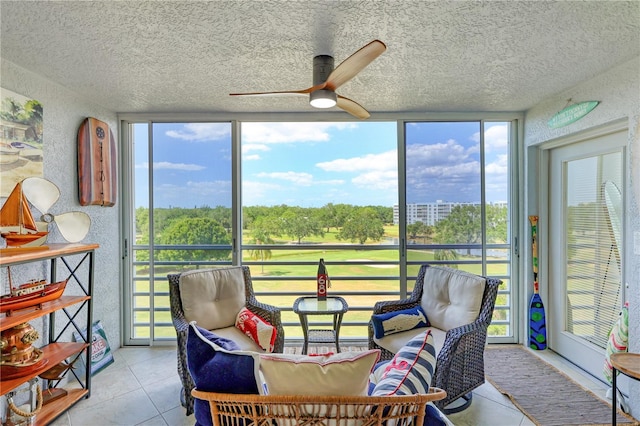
(411, 369)
(397, 321)
(217, 364)
(410, 372)
(432, 416)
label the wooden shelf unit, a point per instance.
(56, 350)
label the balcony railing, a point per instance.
(362, 274)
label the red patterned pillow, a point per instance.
(260, 331)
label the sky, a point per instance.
(312, 164)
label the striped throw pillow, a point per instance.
(411, 369)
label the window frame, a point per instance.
(126, 206)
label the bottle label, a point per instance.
(322, 286)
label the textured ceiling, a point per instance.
(177, 56)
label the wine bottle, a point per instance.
(323, 281)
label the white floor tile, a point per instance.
(176, 417)
(156, 421)
(165, 394)
(128, 409)
(142, 388)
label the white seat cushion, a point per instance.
(451, 298)
(242, 340)
(395, 342)
(213, 297)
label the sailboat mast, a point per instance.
(21, 212)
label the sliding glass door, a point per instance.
(587, 228)
(181, 195)
(458, 203)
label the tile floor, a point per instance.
(142, 386)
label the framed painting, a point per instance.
(21, 142)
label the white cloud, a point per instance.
(304, 179)
(385, 161)
(377, 180)
(165, 165)
(270, 133)
(254, 192)
(436, 154)
(252, 157)
(202, 132)
(499, 167)
(495, 137)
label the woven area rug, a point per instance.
(543, 393)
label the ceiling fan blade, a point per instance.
(40, 192)
(73, 226)
(354, 64)
(352, 107)
(286, 92)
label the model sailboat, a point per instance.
(22, 232)
(18, 227)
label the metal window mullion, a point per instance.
(483, 199)
(402, 207)
(127, 216)
(151, 238)
(236, 191)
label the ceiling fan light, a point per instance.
(323, 98)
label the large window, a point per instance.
(321, 190)
(182, 213)
(279, 196)
(457, 202)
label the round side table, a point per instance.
(629, 365)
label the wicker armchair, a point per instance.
(460, 360)
(269, 313)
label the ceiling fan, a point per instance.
(326, 80)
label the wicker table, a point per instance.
(629, 365)
(305, 306)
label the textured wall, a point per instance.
(619, 93)
(63, 113)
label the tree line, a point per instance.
(270, 224)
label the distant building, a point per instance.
(431, 213)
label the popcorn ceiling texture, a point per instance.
(618, 92)
(177, 56)
(63, 113)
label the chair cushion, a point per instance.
(451, 298)
(345, 373)
(257, 329)
(410, 370)
(217, 365)
(243, 341)
(395, 322)
(212, 297)
(394, 342)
